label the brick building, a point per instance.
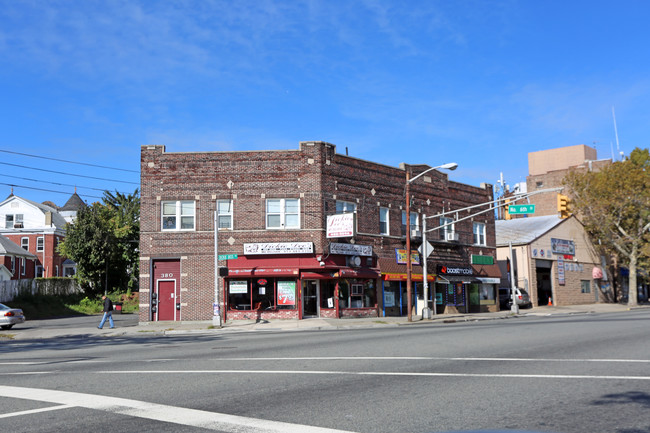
(304, 233)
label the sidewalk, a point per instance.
(128, 325)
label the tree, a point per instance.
(614, 205)
(103, 241)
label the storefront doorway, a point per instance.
(310, 298)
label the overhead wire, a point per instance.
(68, 174)
(69, 162)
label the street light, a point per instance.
(409, 301)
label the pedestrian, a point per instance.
(108, 313)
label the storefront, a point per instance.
(467, 289)
(394, 298)
(289, 281)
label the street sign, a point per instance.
(519, 209)
(426, 249)
(227, 256)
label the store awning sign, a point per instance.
(563, 246)
(278, 248)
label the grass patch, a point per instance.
(50, 306)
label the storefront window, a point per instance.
(261, 294)
(487, 294)
(327, 288)
(453, 294)
(357, 293)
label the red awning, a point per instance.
(317, 275)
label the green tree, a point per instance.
(614, 205)
(103, 241)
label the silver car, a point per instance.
(521, 295)
(10, 316)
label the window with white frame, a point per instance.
(283, 213)
(178, 215)
(13, 220)
(448, 229)
(345, 207)
(24, 242)
(22, 266)
(415, 221)
(224, 214)
(479, 233)
(383, 221)
(40, 243)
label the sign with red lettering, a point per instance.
(286, 293)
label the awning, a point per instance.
(486, 272)
(306, 275)
(358, 273)
(404, 277)
(263, 272)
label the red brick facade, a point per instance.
(319, 178)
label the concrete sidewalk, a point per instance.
(128, 325)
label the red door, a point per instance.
(166, 300)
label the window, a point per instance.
(24, 242)
(224, 214)
(13, 220)
(415, 224)
(357, 293)
(261, 294)
(22, 266)
(175, 211)
(283, 213)
(585, 286)
(40, 243)
(383, 221)
(13, 265)
(39, 271)
(447, 229)
(345, 207)
(479, 233)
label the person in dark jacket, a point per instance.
(108, 313)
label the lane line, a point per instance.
(160, 412)
(385, 373)
(430, 358)
(30, 412)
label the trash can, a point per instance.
(118, 307)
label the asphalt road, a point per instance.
(585, 373)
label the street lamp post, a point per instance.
(409, 301)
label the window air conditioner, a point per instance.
(416, 234)
(451, 237)
(18, 225)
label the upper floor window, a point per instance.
(383, 221)
(479, 233)
(40, 243)
(24, 242)
(345, 207)
(224, 214)
(282, 213)
(13, 220)
(415, 221)
(178, 215)
(448, 229)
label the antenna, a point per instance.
(618, 149)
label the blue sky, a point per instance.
(480, 83)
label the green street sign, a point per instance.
(518, 209)
(227, 256)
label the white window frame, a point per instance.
(224, 214)
(17, 218)
(447, 229)
(13, 265)
(24, 243)
(415, 220)
(40, 244)
(345, 207)
(283, 213)
(178, 215)
(479, 231)
(23, 266)
(384, 218)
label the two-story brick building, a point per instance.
(304, 233)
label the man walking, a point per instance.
(108, 313)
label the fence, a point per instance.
(43, 286)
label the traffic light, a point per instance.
(563, 206)
(506, 210)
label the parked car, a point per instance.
(10, 316)
(521, 295)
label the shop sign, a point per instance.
(237, 287)
(563, 246)
(262, 282)
(279, 248)
(448, 270)
(400, 257)
(389, 299)
(351, 249)
(286, 293)
(560, 271)
(340, 225)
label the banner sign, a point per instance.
(563, 246)
(340, 225)
(351, 249)
(286, 293)
(400, 257)
(238, 287)
(560, 271)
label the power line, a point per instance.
(57, 183)
(69, 162)
(46, 190)
(69, 174)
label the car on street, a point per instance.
(10, 316)
(521, 295)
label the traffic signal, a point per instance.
(563, 206)
(506, 210)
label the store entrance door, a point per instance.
(310, 298)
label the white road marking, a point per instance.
(384, 373)
(431, 358)
(161, 412)
(29, 412)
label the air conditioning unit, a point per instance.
(354, 261)
(18, 225)
(451, 237)
(416, 234)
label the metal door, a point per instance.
(166, 300)
(310, 298)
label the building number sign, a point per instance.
(169, 275)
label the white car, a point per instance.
(10, 316)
